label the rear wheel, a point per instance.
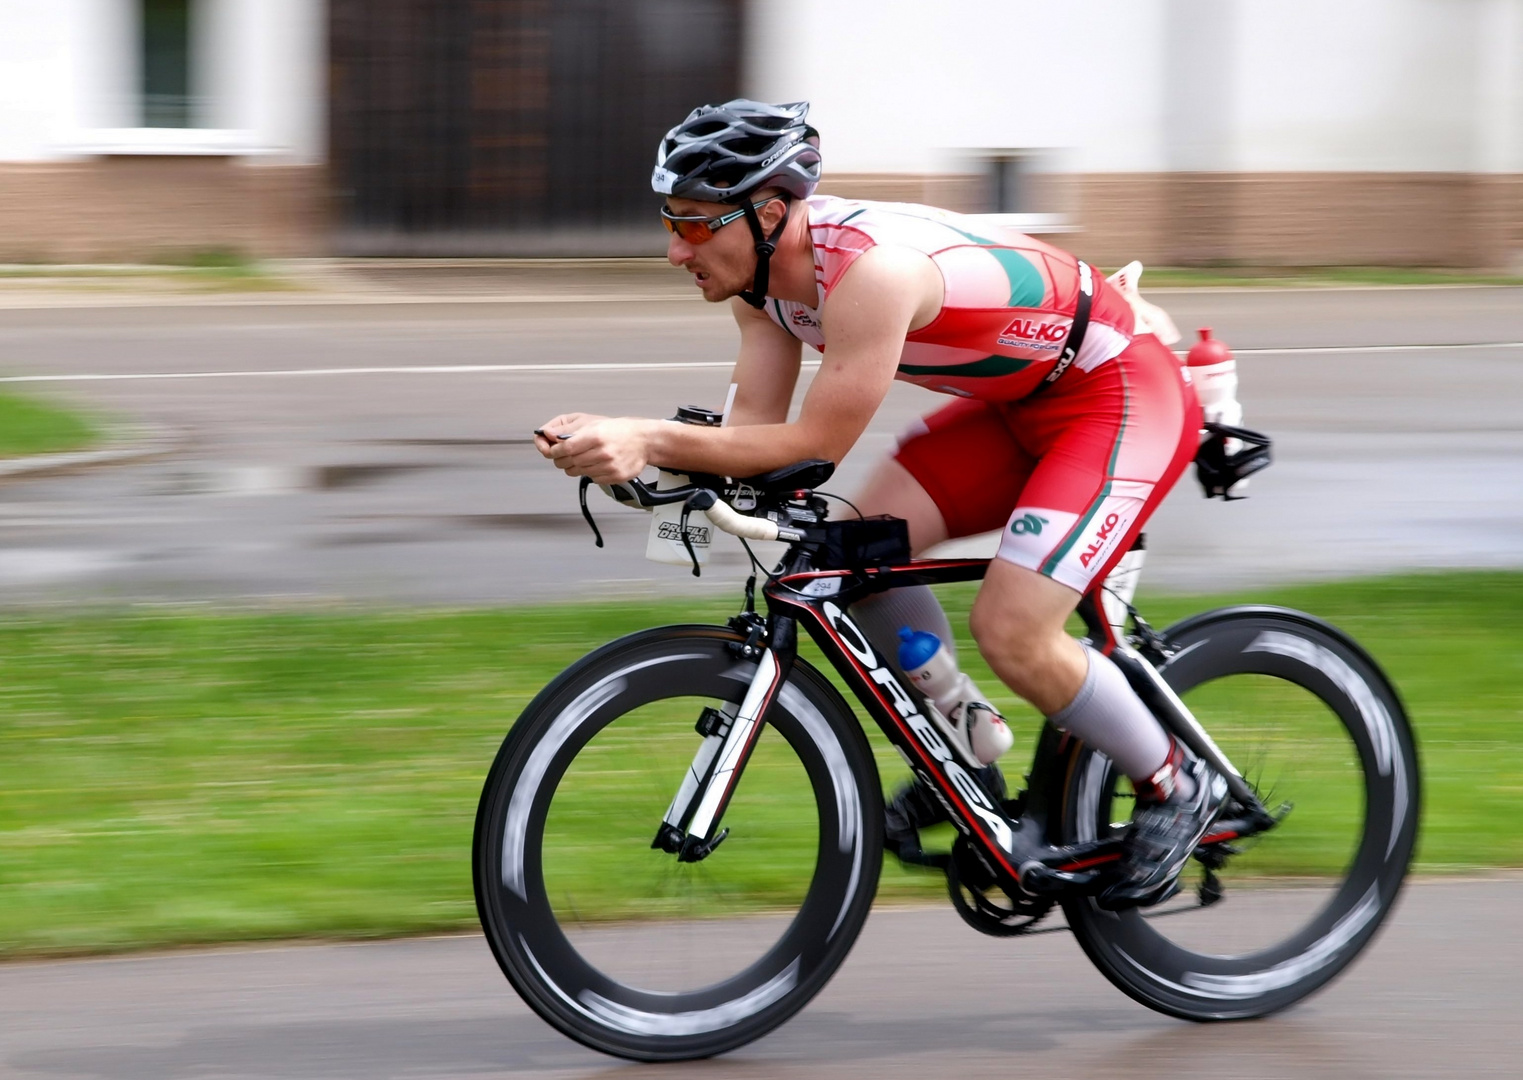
(1319, 732)
(618, 944)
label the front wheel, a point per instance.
(1317, 730)
(616, 942)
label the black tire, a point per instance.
(1331, 729)
(562, 946)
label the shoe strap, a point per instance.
(1161, 786)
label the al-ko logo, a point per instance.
(1034, 336)
(1028, 523)
(671, 530)
(1111, 521)
(924, 730)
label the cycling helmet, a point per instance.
(723, 153)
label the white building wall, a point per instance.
(1499, 104)
(1152, 85)
(905, 86)
(69, 71)
(1364, 85)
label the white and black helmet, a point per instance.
(722, 153)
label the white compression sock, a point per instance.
(1108, 714)
(881, 615)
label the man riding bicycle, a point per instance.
(1069, 428)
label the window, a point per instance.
(165, 84)
(1009, 183)
(1029, 188)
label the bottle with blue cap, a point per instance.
(974, 724)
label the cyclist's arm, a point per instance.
(766, 370)
(866, 319)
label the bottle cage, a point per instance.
(1218, 471)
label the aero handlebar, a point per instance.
(726, 518)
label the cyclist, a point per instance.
(1068, 429)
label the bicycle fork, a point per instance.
(690, 829)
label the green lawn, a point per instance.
(29, 426)
(213, 270)
(191, 776)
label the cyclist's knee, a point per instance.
(894, 491)
(1018, 621)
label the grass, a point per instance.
(191, 776)
(29, 426)
(212, 270)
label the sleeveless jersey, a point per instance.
(1008, 304)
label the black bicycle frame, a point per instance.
(1015, 848)
(1023, 851)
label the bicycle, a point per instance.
(738, 925)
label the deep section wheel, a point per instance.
(617, 943)
(1262, 921)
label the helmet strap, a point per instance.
(766, 246)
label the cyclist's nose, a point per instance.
(678, 250)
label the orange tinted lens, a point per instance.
(694, 232)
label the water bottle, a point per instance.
(982, 732)
(664, 544)
(1213, 370)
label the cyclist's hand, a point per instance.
(559, 429)
(608, 450)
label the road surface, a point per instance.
(378, 451)
(921, 996)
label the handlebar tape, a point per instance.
(727, 519)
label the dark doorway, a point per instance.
(514, 126)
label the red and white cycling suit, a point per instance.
(1073, 472)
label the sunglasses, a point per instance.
(698, 229)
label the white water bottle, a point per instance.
(664, 544)
(982, 732)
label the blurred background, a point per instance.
(286, 284)
(1257, 132)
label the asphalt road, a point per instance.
(921, 996)
(305, 473)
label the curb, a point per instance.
(134, 445)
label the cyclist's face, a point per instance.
(723, 265)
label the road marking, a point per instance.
(675, 365)
(429, 369)
(1309, 350)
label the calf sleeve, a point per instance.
(881, 615)
(1108, 715)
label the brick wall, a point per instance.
(1263, 219)
(130, 209)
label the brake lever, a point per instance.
(587, 512)
(687, 541)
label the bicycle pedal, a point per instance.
(915, 855)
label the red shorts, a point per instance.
(1071, 474)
